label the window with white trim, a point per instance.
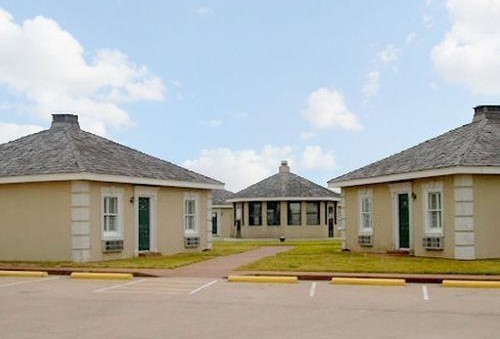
(190, 216)
(111, 215)
(366, 214)
(434, 212)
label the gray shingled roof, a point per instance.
(283, 185)
(219, 197)
(64, 148)
(472, 145)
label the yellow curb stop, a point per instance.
(368, 281)
(471, 284)
(262, 279)
(101, 276)
(24, 274)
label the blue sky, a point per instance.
(230, 88)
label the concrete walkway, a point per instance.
(222, 266)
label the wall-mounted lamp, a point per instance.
(413, 196)
(132, 200)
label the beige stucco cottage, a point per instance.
(69, 195)
(287, 205)
(437, 199)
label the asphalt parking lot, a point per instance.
(60, 307)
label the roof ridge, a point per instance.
(473, 142)
(74, 150)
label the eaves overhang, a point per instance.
(415, 175)
(107, 178)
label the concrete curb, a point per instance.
(262, 279)
(101, 276)
(471, 284)
(365, 281)
(26, 274)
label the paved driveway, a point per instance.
(59, 307)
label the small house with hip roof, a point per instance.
(285, 205)
(437, 199)
(69, 195)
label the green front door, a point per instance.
(214, 223)
(404, 220)
(144, 224)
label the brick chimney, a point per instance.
(486, 112)
(284, 168)
(65, 121)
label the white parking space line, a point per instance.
(312, 290)
(203, 287)
(119, 285)
(29, 282)
(167, 286)
(425, 292)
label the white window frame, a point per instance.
(431, 189)
(118, 194)
(365, 194)
(195, 198)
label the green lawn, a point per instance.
(306, 256)
(164, 262)
(326, 256)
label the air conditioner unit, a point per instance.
(365, 240)
(432, 242)
(191, 242)
(109, 246)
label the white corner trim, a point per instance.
(80, 221)
(106, 178)
(416, 175)
(463, 191)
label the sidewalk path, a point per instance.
(222, 266)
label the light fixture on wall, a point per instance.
(413, 196)
(131, 200)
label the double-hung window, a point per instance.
(111, 214)
(366, 214)
(254, 213)
(434, 213)
(312, 208)
(273, 213)
(190, 216)
(294, 213)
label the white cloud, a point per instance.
(372, 84)
(176, 83)
(326, 108)
(389, 55)
(469, 53)
(9, 132)
(205, 11)
(314, 158)
(410, 38)
(241, 168)
(212, 123)
(307, 135)
(427, 21)
(46, 64)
